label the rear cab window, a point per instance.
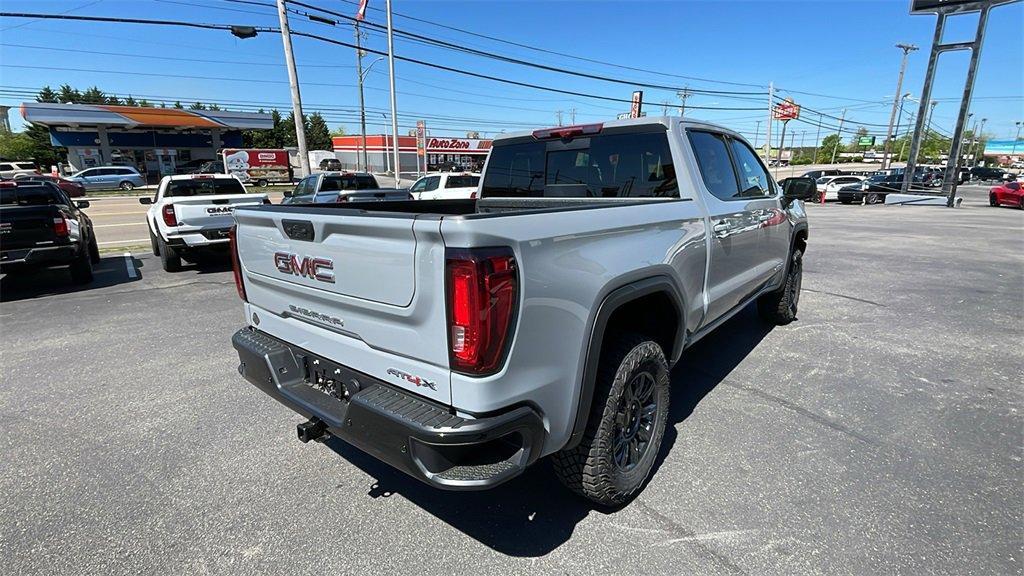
(41, 195)
(203, 187)
(607, 165)
(462, 182)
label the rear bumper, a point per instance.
(199, 237)
(38, 257)
(421, 438)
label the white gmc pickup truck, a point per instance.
(192, 212)
(461, 340)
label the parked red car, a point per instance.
(72, 189)
(1009, 194)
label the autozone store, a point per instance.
(156, 141)
(466, 152)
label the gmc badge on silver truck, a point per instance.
(220, 210)
(321, 269)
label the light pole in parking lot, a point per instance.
(907, 49)
(979, 149)
(394, 105)
(1017, 137)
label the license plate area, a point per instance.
(331, 378)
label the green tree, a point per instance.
(145, 103)
(271, 138)
(17, 146)
(68, 95)
(196, 106)
(129, 101)
(339, 131)
(178, 105)
(94, 96)
(318, 135)
(46, 95)
(830, 145)
(213, 107)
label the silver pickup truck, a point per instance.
(461, 340)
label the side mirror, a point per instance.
(798, 189)
(145, 200)
(82, 204)
(288, 193)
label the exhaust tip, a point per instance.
(314, 429)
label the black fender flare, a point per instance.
(612, 302)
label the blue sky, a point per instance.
(840, 52)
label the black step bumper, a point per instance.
(419, 437)
(38, 257)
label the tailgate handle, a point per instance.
(298, 229)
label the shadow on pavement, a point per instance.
(112, 270)
(534, 514)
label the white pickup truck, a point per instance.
(446, 186)
(192, 212)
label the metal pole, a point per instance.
(758, 131)
(362, 104)
(965, 103)
(1015, 138)
(926, 96)
(907, 49)
(768, 128)
(394, 105)
(899, 117)
(782, 143)
(817, 140)
(792, 156)
(979, 149)
(293, 81)
(683, 95)
(836, 149)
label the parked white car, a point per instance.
(12, 169)
(192, 212)
(830, 185)
(446, 186)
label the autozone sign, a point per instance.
(448, 144)
(786, 110)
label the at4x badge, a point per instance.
(412, 379)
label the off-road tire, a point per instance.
(590, 469)
(780, 307)
(81, 268)
(154, 243)
(170, 260)
(94, 251)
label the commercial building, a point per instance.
(156, 141)
(440, 153)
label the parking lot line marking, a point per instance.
(130, 265)
(125, 224)
(123, 242)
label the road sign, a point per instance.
(866, 141)
(421, 138)
(637, 103)
(949, 6)
(786, 110)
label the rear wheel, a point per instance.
(262, 183)
(780, 307)
(154, 244)
(127, 186)
(625, 426)
(94, 251)
(871, 198)
(170, 260)
(81, 268)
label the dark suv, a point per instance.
(987, 173)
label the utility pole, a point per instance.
(1015, 138)
(362, 103)
(836, 149)
(394, 104)
(558, 114)
(758, 131)
(293, 81)
(572, 116)
(899, 117)
(970, 145)
(664, 107)
(907, 49)
(792, 156)
(980, 149)
(683, 95)
(768, 128)
(817, 140)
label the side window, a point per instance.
(105, 172)
(6, 167)
(419, 186)
(754, 181)
(366, 183)
(432, 183)
(715, 165)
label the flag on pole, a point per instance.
(361, 13)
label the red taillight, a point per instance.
(342, 198)
(169, 217)
(472, 195)
(566, 132)
(60, 226)
(236, 265)
(482, 292)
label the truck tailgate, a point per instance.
(27, 226)
(359, 289)
(211, 211)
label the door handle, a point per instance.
(721, 229)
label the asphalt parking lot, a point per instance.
(879, 434)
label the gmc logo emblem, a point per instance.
(320, 269)
(221, 210)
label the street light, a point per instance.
(896, 133)
(1017, 137)
(362, 104)
(979, 150)
(907, 49)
